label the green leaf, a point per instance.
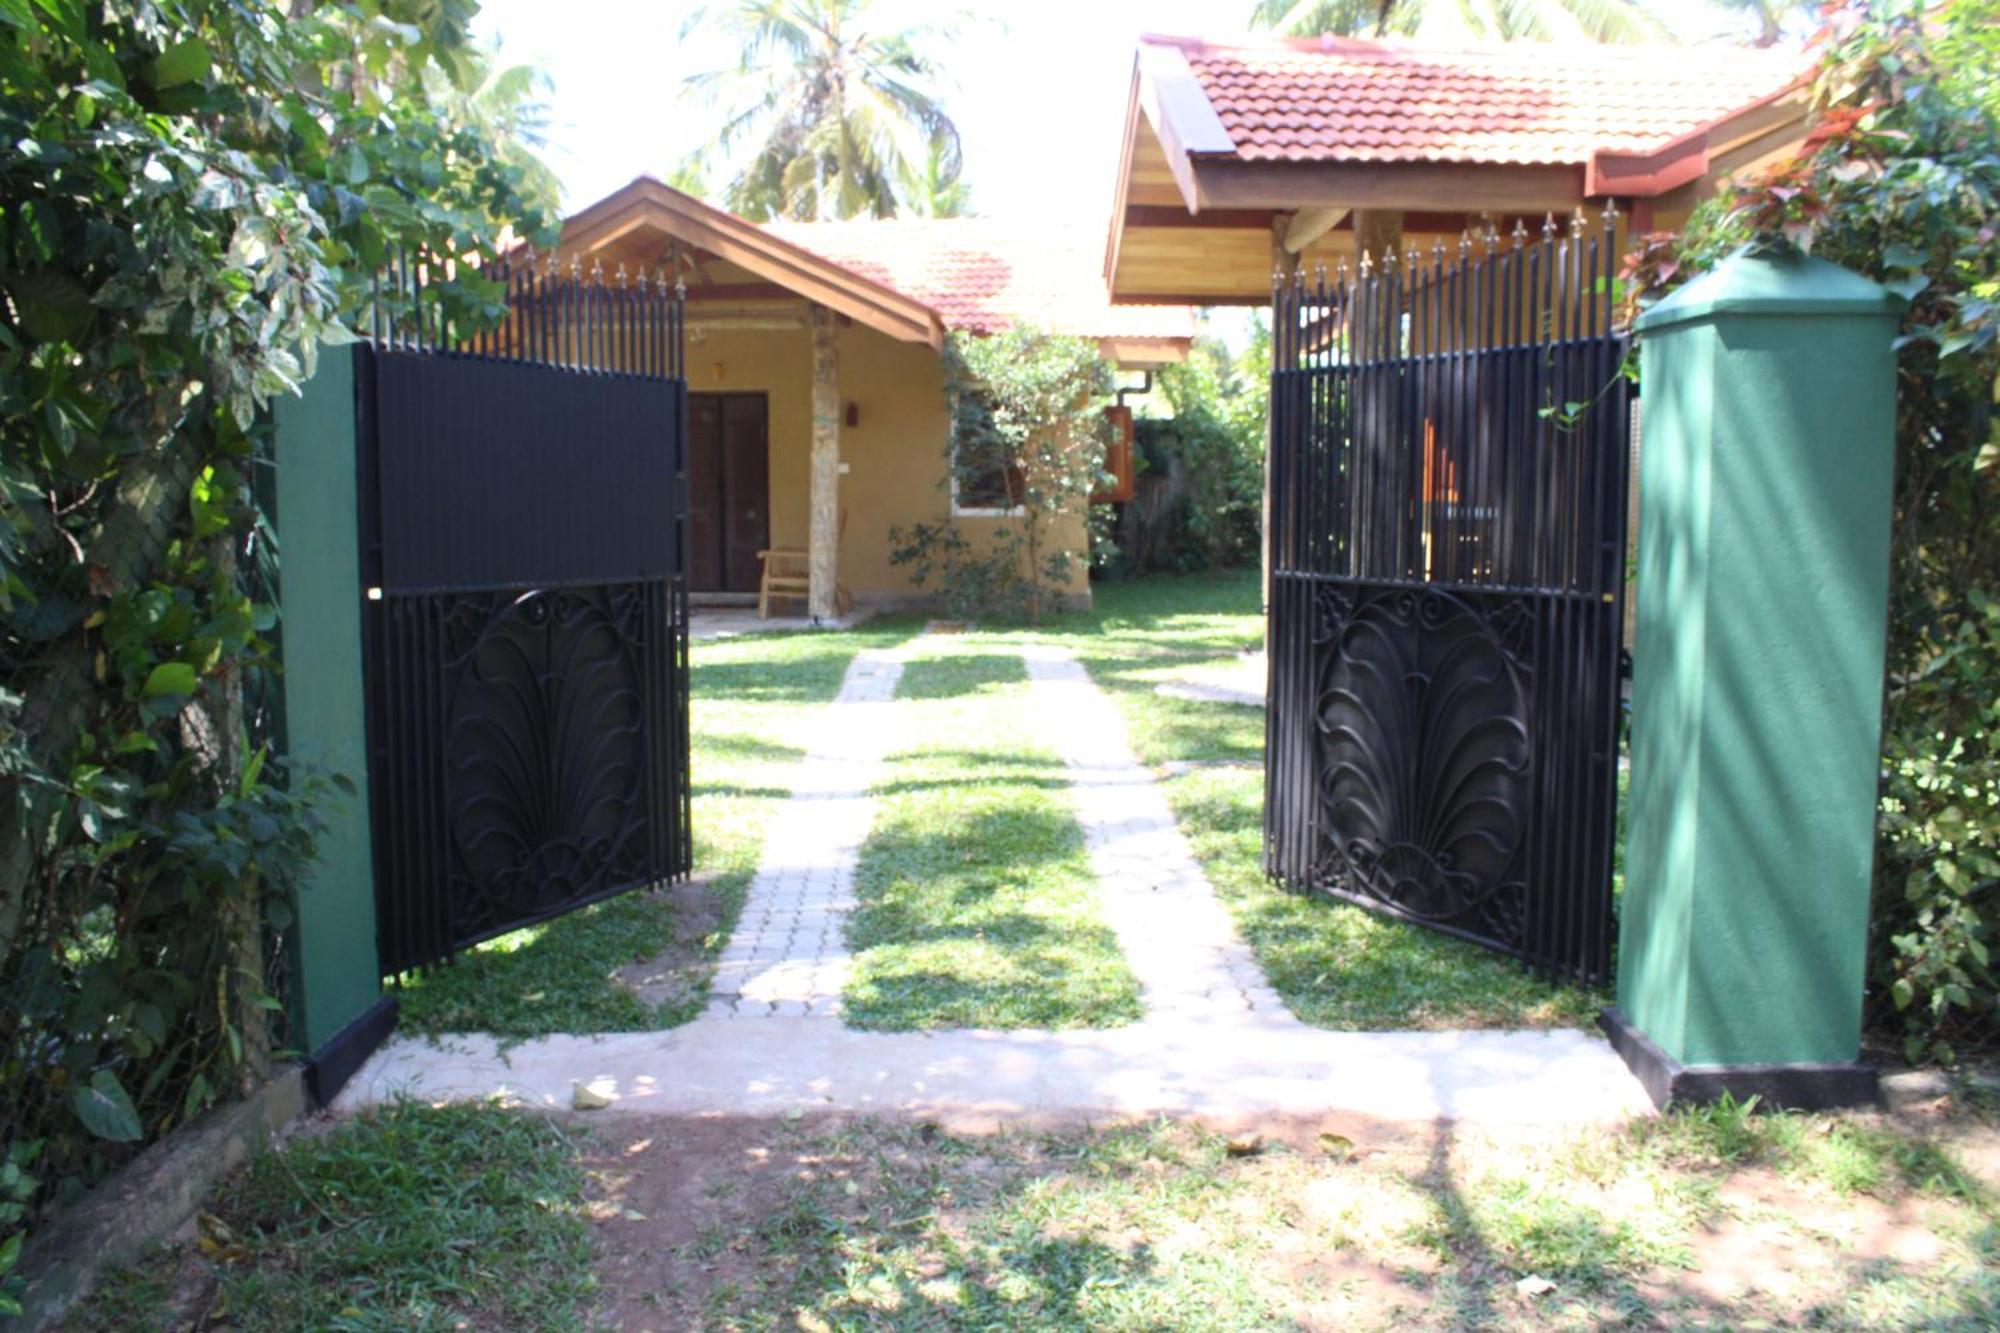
(170, 678)
(1904, 256)
(183, 62)
(1908, 285)
(106, 1111)
(357, 165)
(54, 306)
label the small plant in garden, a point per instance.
(1900, 180)
(1026, 422)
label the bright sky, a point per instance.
(1039, 96)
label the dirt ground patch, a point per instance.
(676, 979)
(839, 1222)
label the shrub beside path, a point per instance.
(1215, 1043)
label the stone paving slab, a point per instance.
(1224, 1070)
(1178, 939)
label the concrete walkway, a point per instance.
(1215, 1043)
(788, 957)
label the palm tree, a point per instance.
(938, 190)
(1771, 18)
(1485, 20)
(842, 113)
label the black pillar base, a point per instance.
(328, 1068)
(1802, 1087)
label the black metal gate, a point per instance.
(526, 635)
(1448, 504)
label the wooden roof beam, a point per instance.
(1309, 224)
(1429, 187)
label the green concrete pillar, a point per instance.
(1769, 399)
(337, 1008)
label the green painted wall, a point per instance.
(321, 597)
(1769, 400)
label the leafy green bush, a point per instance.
(1026, 417)
(1201, 470)
(195, 197)
(1900, 180)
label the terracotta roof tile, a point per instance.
(985, 274)
(1344, 99)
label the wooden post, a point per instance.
(823, 537)
(1377, 231)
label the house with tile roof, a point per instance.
(1247, 157)
(817, 419)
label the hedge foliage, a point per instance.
(194, 197)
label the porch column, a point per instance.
(823, 536)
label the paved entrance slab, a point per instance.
(787, 957)
(1216, 1041)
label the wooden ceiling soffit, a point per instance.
(648, 204)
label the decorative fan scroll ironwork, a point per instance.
(1424, 757)
(546, 746)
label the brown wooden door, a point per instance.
(704, 498)
(729, 490)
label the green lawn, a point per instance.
(752, 704)
(1336, 966)
(977, 903)
(407, 1217)
(483, 1217)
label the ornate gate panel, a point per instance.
(523, 525)
(1449, 452)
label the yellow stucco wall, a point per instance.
(895, 455)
